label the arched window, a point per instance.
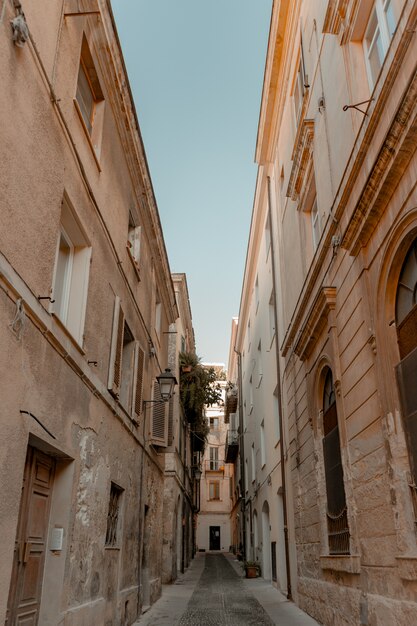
(337, 522)
(406, 324)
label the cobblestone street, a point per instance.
(213, 592)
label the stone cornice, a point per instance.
(315, 322)
(302, 154)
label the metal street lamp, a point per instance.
(166, 382)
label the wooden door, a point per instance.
(214, 537)
(31, 540)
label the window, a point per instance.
(337, 522)
(133, 242)
(276, 413)
(214, 459)
(72, 267)
(315, 223)
(250, 396)
(113, 516)
(214, 490)
(267, 236)
(158, 313)
(271, 312)
(263, 448)
(128, 353)
(298, 93)
(256, 294)
(300, 86)
(126, 367)
(253, 463)
(259, 363)
(378, 34)
(159, 432)
(214, 423)
(246, 475)
(406, 319)
(89, 98)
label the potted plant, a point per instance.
(252, 568)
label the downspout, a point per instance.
(280, 416)
(242, 452)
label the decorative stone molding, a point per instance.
(316, 321)
(349, 563)
(335, 13)
(302, 155)
(407, 567)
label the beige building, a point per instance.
(86, 307)
(331, 257)
(179, 488)
(213, 525)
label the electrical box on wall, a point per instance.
(56, 540)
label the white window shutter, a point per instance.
(159, 432)
(134, 241)
(116, 349)
(139, 361)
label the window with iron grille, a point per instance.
(406, 370)
(337, 521)
(113, 515)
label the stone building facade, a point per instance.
(179, 487)
(335, 196)
(86, 305)
(213, 525)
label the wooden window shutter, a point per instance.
(139, 362)
(159, 432)
(116, 349)
(406, 376)
(170, 421)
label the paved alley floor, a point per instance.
(213, 592)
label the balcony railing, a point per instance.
(214, 466)
(232, 446)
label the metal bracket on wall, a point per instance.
(357, 105)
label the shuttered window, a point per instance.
(337, 522)
(171, 421)
(116, 349)
(138, 380)
(159, 433)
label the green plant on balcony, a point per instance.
(198, 388)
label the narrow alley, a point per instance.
(214, 592)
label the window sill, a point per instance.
(71, 337)
(407, 567)
(90, 143)
(341, 563)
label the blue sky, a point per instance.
(196, 70)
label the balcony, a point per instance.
(232, 446)
(214, 466)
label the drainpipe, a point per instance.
(280, 416)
